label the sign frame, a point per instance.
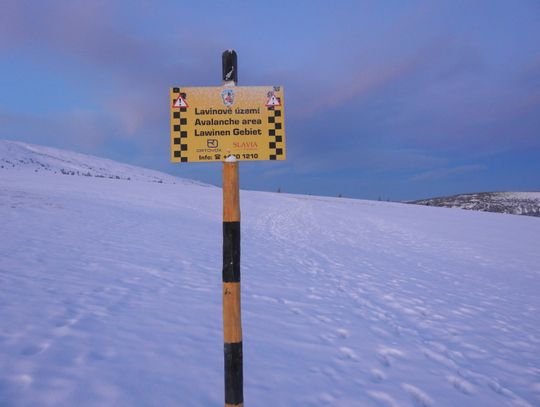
(209, 124)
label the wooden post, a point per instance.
(232, 322)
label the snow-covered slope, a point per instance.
(26, 157)
(110, 295)
(517, 203)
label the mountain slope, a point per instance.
(26, 157)
(517, 203)
(110, 295)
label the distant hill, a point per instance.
(18, 156)
(516, 203)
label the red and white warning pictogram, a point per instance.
(273, 100)
(180, 102)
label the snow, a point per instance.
(110, 295)
(27, 157)
(533, 196)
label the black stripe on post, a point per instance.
(234, 379)
(231, 252)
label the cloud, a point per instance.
(74, 129)
(96, 46)
(442, 173)
(401, 90)
(366, 160)
(363, 84)
(100, 34)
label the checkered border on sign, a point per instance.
(179, 145)
(275, 132)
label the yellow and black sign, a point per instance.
(212, 123)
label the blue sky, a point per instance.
(385, 99)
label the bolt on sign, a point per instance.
(212, 123)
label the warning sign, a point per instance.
(212, 123)
(180, 102)
(273, 100)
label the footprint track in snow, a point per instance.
(32, 350)
(347, 353)
(377, 376)
(387, 355)
(383, 399)
(419, 397)
(461, 385)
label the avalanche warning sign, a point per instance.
(212, 123)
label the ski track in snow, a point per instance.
(110, 295)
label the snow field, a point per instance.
(110, 295)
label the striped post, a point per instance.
(232, 322)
